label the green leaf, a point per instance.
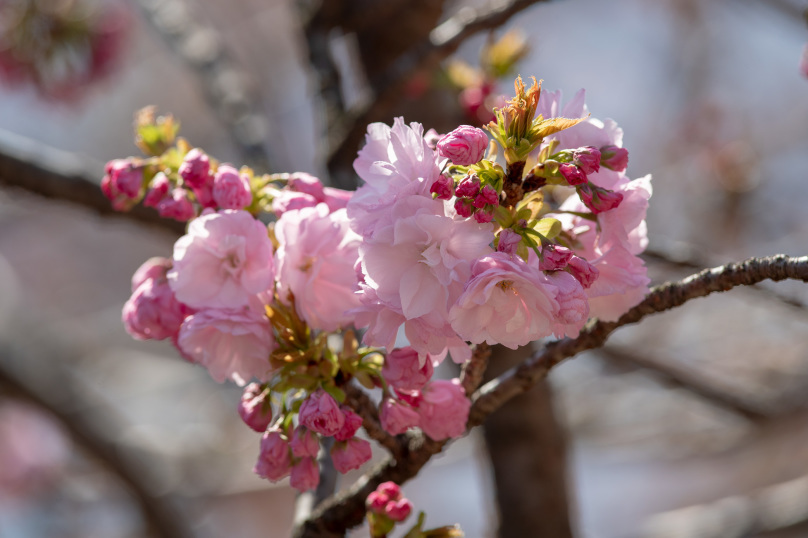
(549, 227)
(336, 392)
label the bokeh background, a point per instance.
(692, 424)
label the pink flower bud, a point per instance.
(204, 195)
(412, 398)
(403, 369)
(274, 462)
(177, 206)
(152, 269)
(464, 146)
(195, 168)
(444, 409)
(599, 200)
(508, 241)
(572, 174)
(614, 158)
(488, 197)
(321, 413)
(305, 475)
(304, 443)
(554, 257)
(398, 510)
(587, 158)
(484, 216)
(125, 177)
(152, 312)
(468, 188)
(351, 425)
(254, 408)
(307, 184)
(443, 188)
(376, 502)
(390, 489)
(158, 189)
(397, 417)
(583, 271)
(464, 207)
(231, 190)
(351, 454)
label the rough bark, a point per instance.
(527, 446)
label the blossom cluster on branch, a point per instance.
(451, 241)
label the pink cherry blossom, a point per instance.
(254, 408)
(231, 344)
(352, 423)
(158, 190)
(398, 510)
(583, 271)
(154, 268)
(152, 312)
(305, 475)
(125, 177)
(304, 443)
(336, 198)
(395, 163)
(231, 189)
(573, 304)
(463, 146)
(315, 261)
(321, 413)
(308, 184)
(286, 200)
(505, 302)
(195, 168)
(444, 409)
(554, 257)
(177, 205)
(397, 417)
(223, 261)
(273, 462)
(508, 242)
(351, 454)
(404, 370)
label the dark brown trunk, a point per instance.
(528, 454)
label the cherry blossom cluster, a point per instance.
(60, 47)
(450, 241)
(387, 507)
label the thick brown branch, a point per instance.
(63, 176)
(158, 514)
(423, 57)
(472, 373)
(346, 509)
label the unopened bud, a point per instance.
(572, 174)
(195, 168)
(464, 146)
(614, 158)
(231, 189)
(177, 206)
(587, 158)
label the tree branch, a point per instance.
(64, 176)
(344, 139)
(346, 509)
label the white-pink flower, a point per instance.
(396, 162)
(231, 344)
(315, 261)
(573, 304)
(223, 261)
(506, 302)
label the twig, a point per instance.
(346, 509)
(361, 403)
(472, 373)
(683, 256)
(163, 520)
(693, 381)
(64, 176)
(442, 42)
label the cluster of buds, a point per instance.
(387, 507)
(60, 47)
